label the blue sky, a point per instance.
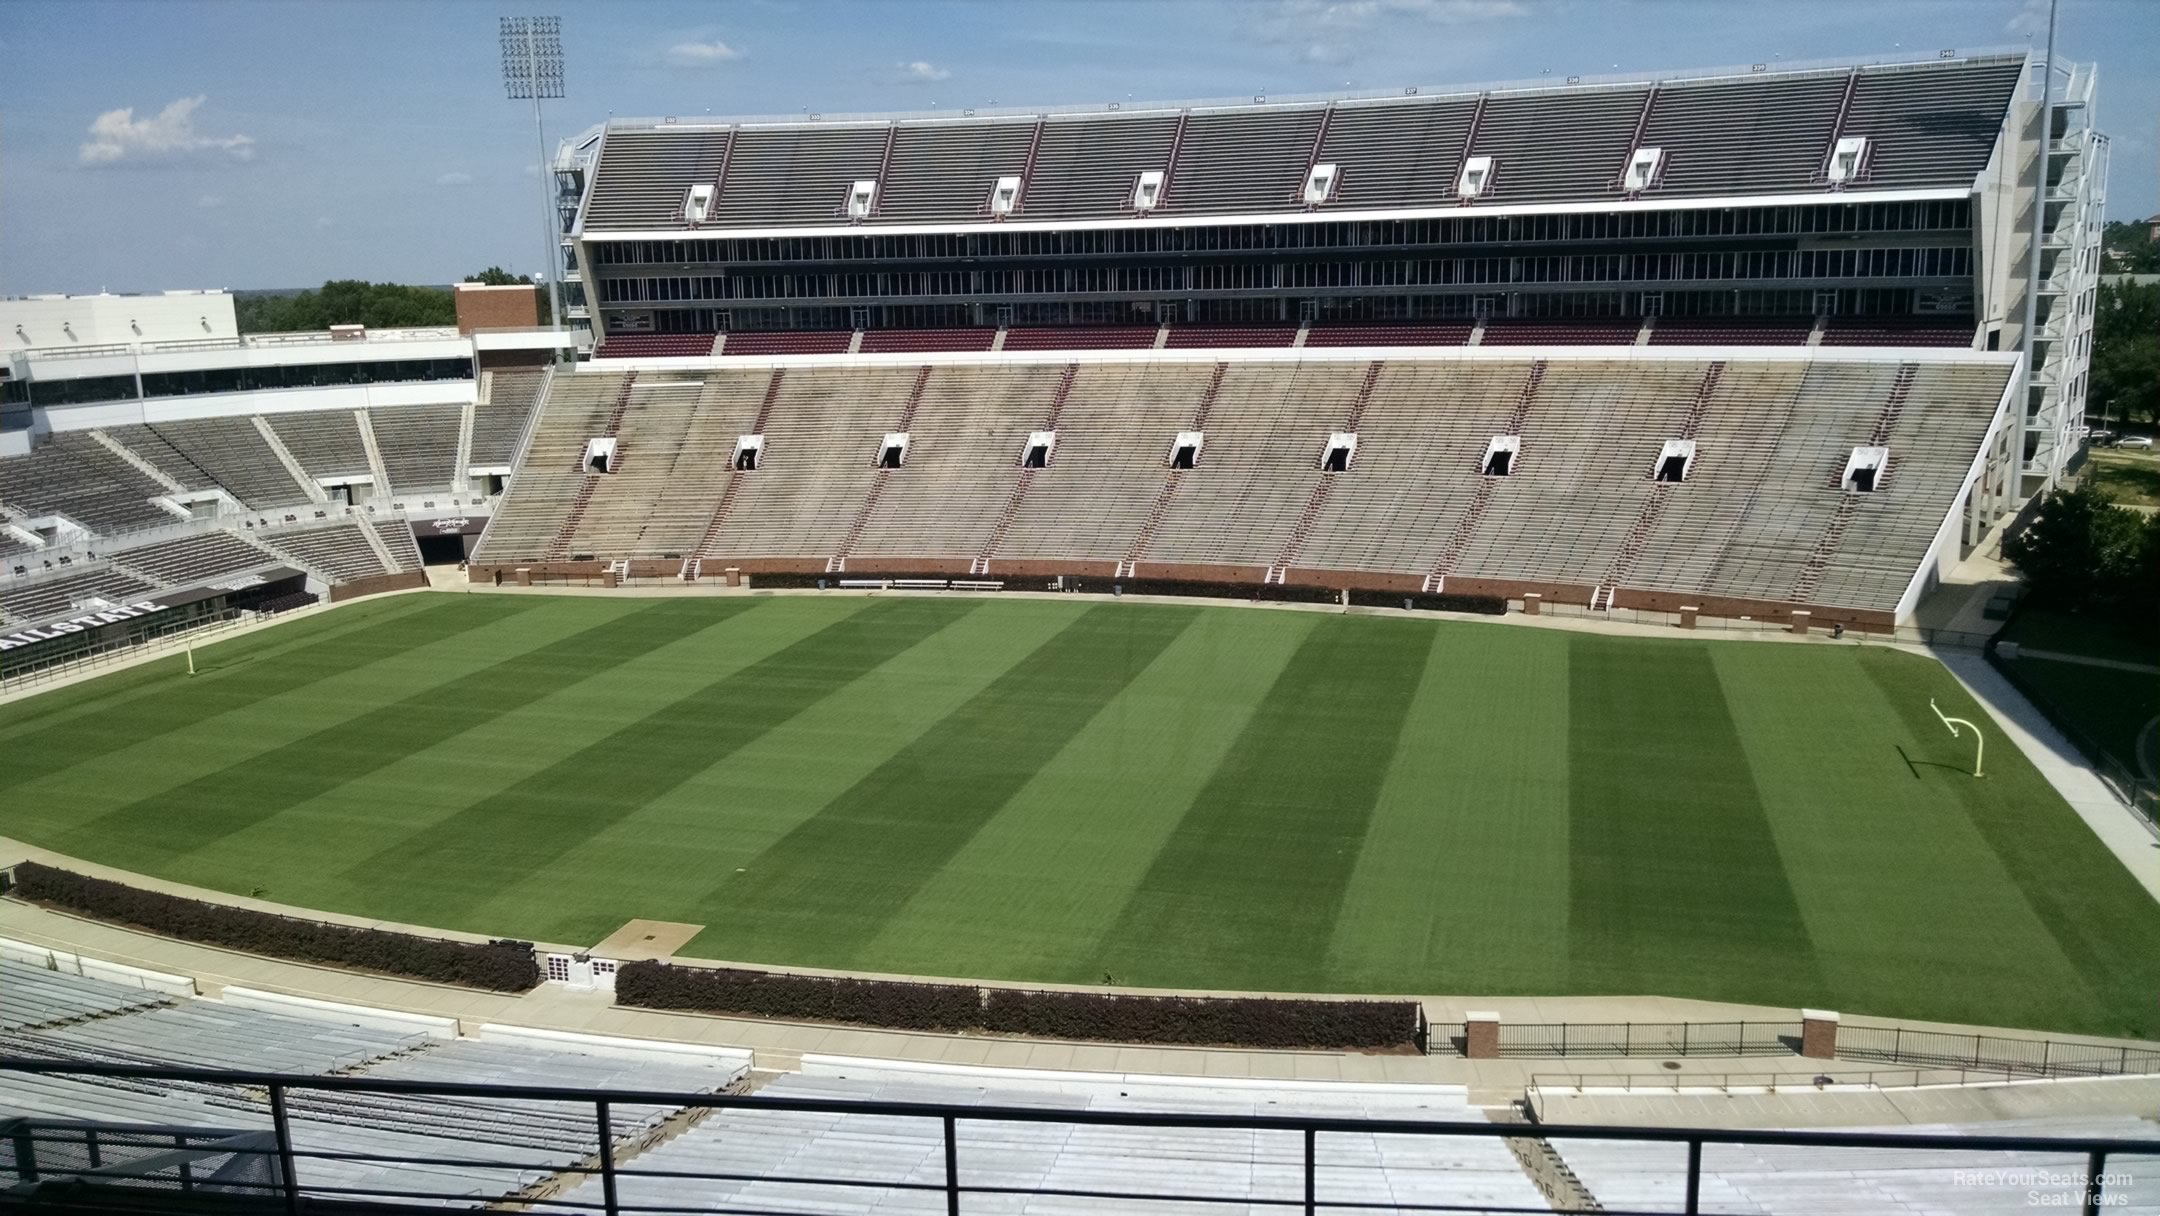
(263, 143)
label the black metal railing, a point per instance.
(1539, 1040)
(35, 1153)
(1997, 1053)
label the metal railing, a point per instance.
(2137, 790)
(162, 638)
(1995, 1053)
(1609, 1039)
(22, 1142)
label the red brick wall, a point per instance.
(514, 307)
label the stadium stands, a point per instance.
(1388, 335)
(225, 452)
(432, 1149)
(499, 421)
(653, 346)
(397, 538)
(419, 446)
(1903, 331)
(1933, 123)
(193, 559)
(35, 599)
(1761, 517)
(75, 476)
(1183, 337)
(889, 341)
(341, 551)
(327, 443)
(1082, 337)
(810, 342)
(1753, 1178)
(761, 1147)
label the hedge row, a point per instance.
(897, 1005)
(499, 966)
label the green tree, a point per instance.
(2081, 552)
(347, 302)
(496, 276)
(2126, 353)
(2132, 248)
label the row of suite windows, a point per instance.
(243, 379)
(1944, 263)
(1792, 305)
(14, 392)
(1952, 215)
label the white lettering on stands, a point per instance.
(60, 629)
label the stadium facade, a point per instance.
(1753, 342)
(1866, 203)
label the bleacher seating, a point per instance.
(1561, 333)
(203, 452)
(1898, 331)
(397, 537)
(340, 551)
(1932, 124)
(890, 341)
(458, 1151)
(1811, 1179)
(758, 1147)
(72, 474)
(327, 443)
(653, 346)
(499, 421)
(1729, 331)
(1083, 337)
(190, 560)
(788, 342)
(548, 476)
(1388, 334)
(1761, 516)
(40, 598)
(419, 445)
(33, 996)
(1195, 337)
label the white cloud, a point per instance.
(921, 71)
(454, 179)
(1330, 31)
(701, 54)
(210, 200)
(2031, 18)
(170, 136)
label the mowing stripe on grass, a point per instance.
(1881, 852)
(463, 860)
(2101, 918)
(824, 890)
(198, 814)
(1462, 885)
(1247, 890)
(1675, 880)
(1096, 815)
(170, 699)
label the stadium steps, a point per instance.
(1481, 500)
(725, 505)
(1278, 571)
(1160, 508)
(559, 547)
(1653, 507)
(1833, 535)
(863, 514)
(981, 564)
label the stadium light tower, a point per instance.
(532, 68)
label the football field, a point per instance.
(1164, 794)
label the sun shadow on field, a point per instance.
(1914, 766)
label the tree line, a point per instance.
(358, 302)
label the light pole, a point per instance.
(532, 68)
(1979, 740)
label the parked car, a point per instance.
(2142, 443)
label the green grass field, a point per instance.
(1214, 797)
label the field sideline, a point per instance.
(1189, 796)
